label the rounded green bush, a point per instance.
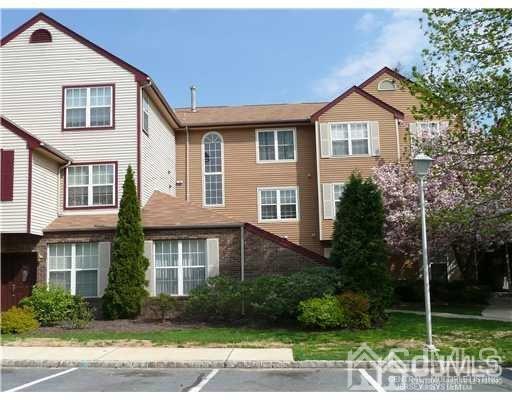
(356, 308)
(50, 305)
(18, 320)
(323, 313)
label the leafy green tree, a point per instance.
(125, 292)
(466, 77)
(358, 246)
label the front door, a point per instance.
(19, 272)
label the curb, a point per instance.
(222, 364)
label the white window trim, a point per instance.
(204, 173)
(429, 122)
(180, 265)
(73, 270)
(335, 210)
(90, 185)
(145, 111)
(278, 198)
(393, 81)
(368, 139)
(276, 147)
(88, 108)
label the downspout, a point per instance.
(242, 262)
(187, 166)
(397, 139)
(317, 144)
(59, 213)
(140, 87)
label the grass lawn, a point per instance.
(467, 309)
(401, 330)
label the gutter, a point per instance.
(162, 227)
(59, 212)
(397, 139)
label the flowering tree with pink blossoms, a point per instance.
(463, 211)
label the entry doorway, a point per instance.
(19, 274)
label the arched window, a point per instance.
(40, 36)
(387, 84)
(213, 170)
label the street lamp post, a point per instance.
(421, 165)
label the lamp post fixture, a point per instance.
(422, 164)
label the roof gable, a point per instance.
(355, 89)
(378, 74)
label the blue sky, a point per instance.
(248, 56)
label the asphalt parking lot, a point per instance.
(233, 380)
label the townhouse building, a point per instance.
(242, 190)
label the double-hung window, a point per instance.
(350, 138)
(180, 266)
(74, 267)
(213, 170)
(88, 107)
(275, 145)
(278, 204)
(145, 113)
(337, 189)
(431, 128)
(90, 185)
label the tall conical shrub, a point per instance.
(358, 246)
(125, 292)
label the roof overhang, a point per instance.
(33, 142)
(378, 74)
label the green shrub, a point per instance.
(219, 299)
(356, 309)
(50, 305)
(165, 305)
(276, 298)
(80, 314)
(323, 313)
(18, 320)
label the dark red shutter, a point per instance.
(7, 174)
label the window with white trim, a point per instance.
(88, 107)
(180, 266)
(278, 204)
(74, 267)
(276, 145)
(337, 189)
(145, 113)
(350, 138)
(433, 128)
(387, 84)
(213, 170)
(90, 185)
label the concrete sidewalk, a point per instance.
(142, 354)
(496, 317)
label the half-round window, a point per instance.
(213, 170)
(40, 36)
(387, 84)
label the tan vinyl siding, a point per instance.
(338, 169)
(44, 192)
(158, 156)
(13, 214)
(32, 79)
(243, 176)
(401, 99)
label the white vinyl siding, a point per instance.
(278, 204)
(13, 214)
(343, 139)
(75, 267)
(158, 156)
(32, 81)
(88, 107)
(90, 185)
(276, 145)
(180, 266)
(44, 192)
(213, 170)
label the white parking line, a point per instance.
(371, 381)
(204, 381)
(26, 385)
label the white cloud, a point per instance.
(398, 41)
(368, 22)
